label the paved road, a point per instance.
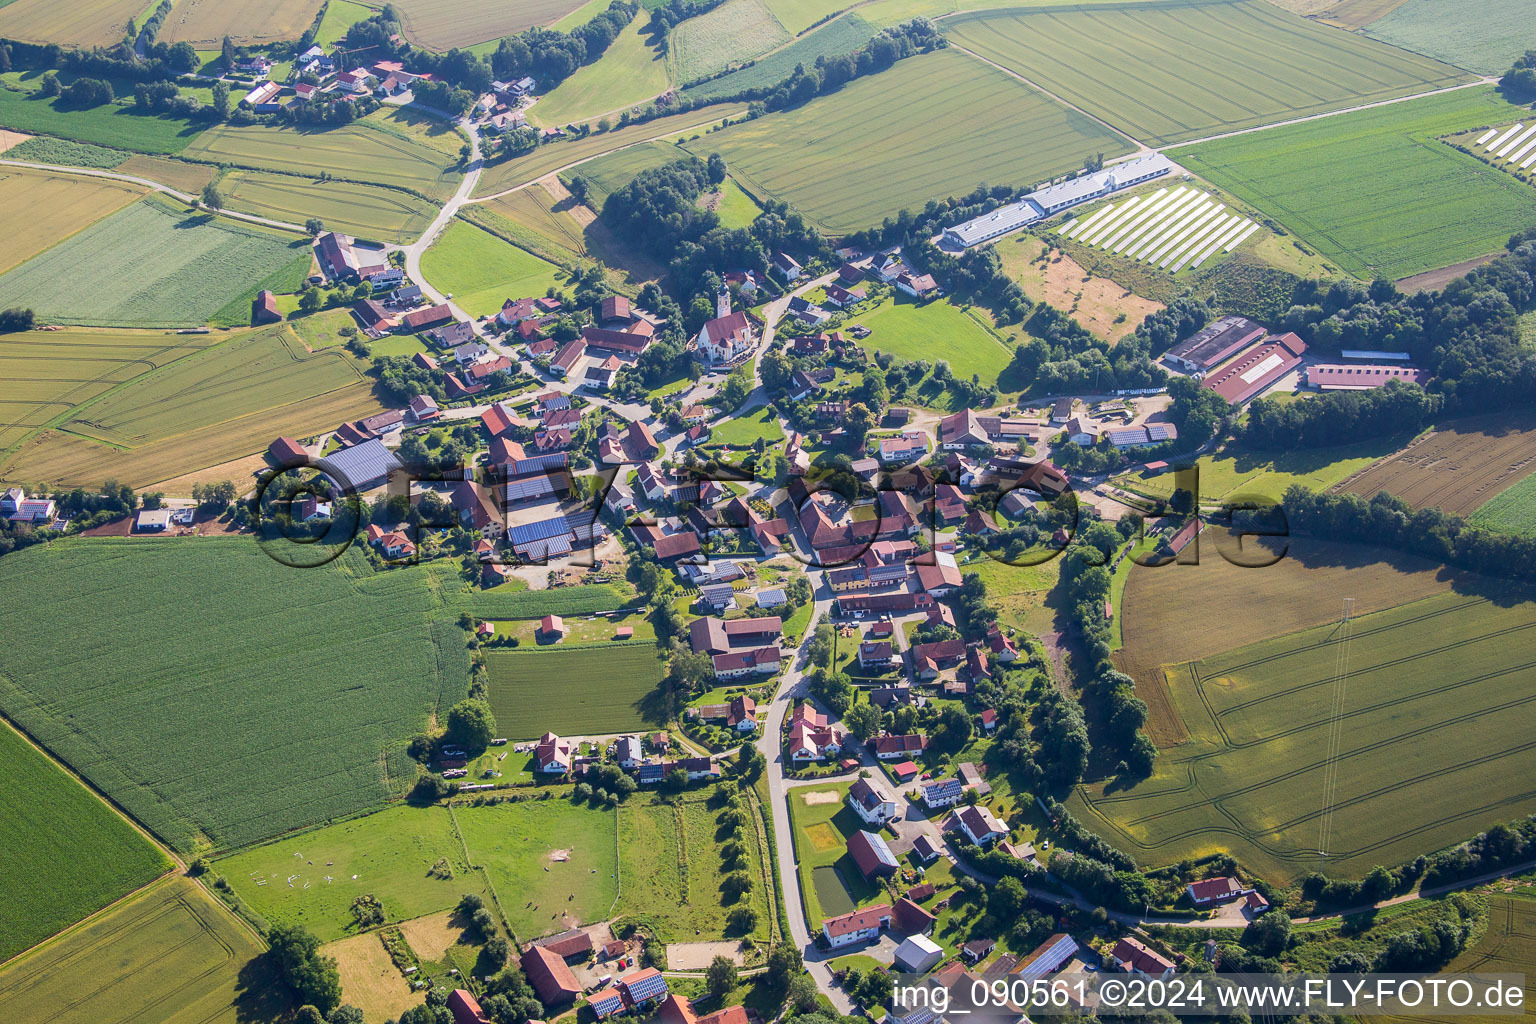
(413, 252)
(91, 172)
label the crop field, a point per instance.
(1508, 946)
(1177, 70)
(671, 867)
(798, 15)
(366, 211)
(1268, 474)
(482, 271)
(1354, 14)
(444, 24)
(150, 265)
(1484, 36)
(581, 692)
(1424, 205)
(530, 217)
(178, 174)
(890, 140)
(39, 209)
(612, 172)
(1511, 511)
(255, 370)
(388, 854)
(113, 125)
(48, 374)
(1105, 308)
(1427, 743)
(171, 955)
(1458, 467)
(629, 72)
(84, 23)
(736, 31)
(1165, 614)
(508, 174)
(203, 23)
(68, 854)
(370, 980)
(844, 35)
(364, 152)
(43, 150)
(218, 755)
(934, 330)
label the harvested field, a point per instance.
(889, 140)
(730, 34)
(1434, 280)
(153, 265)
(798, 15)
(1457, 467)
(203, 23)
(367, 211)
(139, 696)
(370, 980)
(843, 35)
(178, 174)
(68, 854)
(172, 955)
(9, 139)
(1099, 304)
(934, 330)
(1427, 744)
(1355, 14)
(444, 24)
(368, 154)
(583, 691)
(39, 209)
(243, 471)
(1233, 474)
(84, 23)
(1170, 71)
(431, 936)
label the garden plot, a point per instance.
(1173, 228)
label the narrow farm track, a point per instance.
(190, 200)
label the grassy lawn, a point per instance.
(596, 630)
(742, 431)
(582, 691)
(735, 207)
(482, 271)
(829, 879)
(1268, 474)
(1020, 592)
(933, 331)
(322, 329)
(397, 345)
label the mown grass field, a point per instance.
(68, 854)
(736, 31)
(370, 980)
(1432, 746)
(934, 330)
(1423, 206)
(444, 24)
(340, 15)
(735, 208)
(1511, 511)
(178, 174)
(84, 23)
(844, 35)
(671, 867)
(166, 697)
(743, 431)
(113, 125)
(1268, 474)
(150, 265)
(1105, 308)
(39, 209)
(1176, 70)
(585, 691)
(612, 172)
(629, 72)
(358, 151)
(1349, 14)
(254, 370)
(390, 852)
(892, 140)
(203, 23)
(503, 603)
(1484, 36)
(481, 271)
(798, 15)
(1457, 467)
(171, 955)
(598, 629)
(830, 881)
(507, 174)
(367, 211)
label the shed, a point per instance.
(918, 953)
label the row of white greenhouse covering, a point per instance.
(1170, 227)
(1053, 199)
(1516, 145)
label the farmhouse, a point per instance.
(1361, 377)
(643, 988)
(1258, 369)
(1214, 344)
(810, 737)
(421, 319)
(787, 266)
(1210, 891)
(858, 926)
(717, 636)
(736, 664)
(465, 1008)
(926, 849)
(962, 430)
(898, 748)
(627, 343)
(942, 793)
(1144, 436)
(870, 804)
(553, 755)
(551, 979)
(873, 857)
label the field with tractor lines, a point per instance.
(890, 140)
(1175, 70)
(1425, 744)
(1422, 205)
(150, 265)
(163, 697)
(83, 23)
(444, 24)
(380, 214)
(1457, 467)
(39, 209)
(844, 35)
(203, 23)
(736, 31)
(629, 72)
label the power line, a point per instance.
(1336, 728)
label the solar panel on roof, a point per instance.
(647, 988)
(531, 487)
(541, 530)
(1159, 431)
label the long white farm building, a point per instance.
(1055, 198)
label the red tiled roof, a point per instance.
(549, 975)
(857, 921)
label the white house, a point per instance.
(875, 808)
(628, 752)
(943, 793)
(858, 926)
(980, 825)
